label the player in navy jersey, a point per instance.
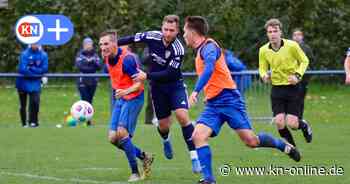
(167, 87)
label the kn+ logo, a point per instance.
(44, 29)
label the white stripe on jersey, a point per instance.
(348, 53)
(178, 48)
(182, 49)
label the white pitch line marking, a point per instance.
(28, 175)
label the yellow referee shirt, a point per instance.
(288, 60)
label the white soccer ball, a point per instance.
(82, 111)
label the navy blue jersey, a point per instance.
(165, 65)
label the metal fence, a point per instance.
(255, 92)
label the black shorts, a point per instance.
(166, 98)
(285, 99)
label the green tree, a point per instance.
(237, 24)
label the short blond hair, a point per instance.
(171, 19)
(273, 23)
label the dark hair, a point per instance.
(297, 29)
(111, 33)
(171, 19)
(197, 23)
(274, 23)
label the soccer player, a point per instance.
(347, 67)
(129, 94)
(224, 103)
(298, 36)
(287, 63)
(167, 87)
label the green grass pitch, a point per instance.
(50, 155)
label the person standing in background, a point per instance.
(234, 64)
(149, 111)
(33, 63)
(87, 61)
(298, 36)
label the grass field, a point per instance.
(48, 155)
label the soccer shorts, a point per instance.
(286, 99)
(125, 113)
(234, 113)
(166, 98)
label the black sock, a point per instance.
(164, 135)
(117, 144)
(141, 156)
(187, 134)
(285, 133)
(302, 124)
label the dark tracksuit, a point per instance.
(32, 65)
(149, 111)
(234, 64)
(87, 62)
(304, 82)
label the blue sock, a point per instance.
(139, 154)
(129, 150)
(187, 134)
(267, 140)
(204, 156)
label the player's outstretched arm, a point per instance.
(126, 40)
(144, 37)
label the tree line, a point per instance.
(237, 24)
